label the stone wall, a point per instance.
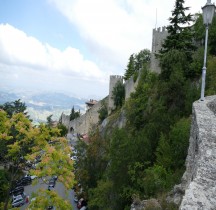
(158, 37)
(85, 122)
(199, 179)
(130, 86)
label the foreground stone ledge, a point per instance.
(199, 180)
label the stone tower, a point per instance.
(113, 80)
(158, 37)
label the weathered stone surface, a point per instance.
(175, 196)
(212, 106)
(199, 180)
(142, 205)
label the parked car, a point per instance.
(17, 183)
(55, 177)
(51, 208)
(19, 200)
(52, 183)
(31, 176)
(75, 198)
(15, 196)
(17, 190)
(74, 158)
(26, 180)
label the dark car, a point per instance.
(17, 183)
(55, 177)
(52, 183)
(26, 180)
(17, 190)
(51, 208)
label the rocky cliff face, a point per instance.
(199, 180)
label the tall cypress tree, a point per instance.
(180, 33)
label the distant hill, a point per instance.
(7, 97)
(41, 105)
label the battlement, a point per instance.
(159, 29)
(116, 77)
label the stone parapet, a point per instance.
(199, 180)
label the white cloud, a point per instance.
(114, 29)
(111, 30)
(20, 50)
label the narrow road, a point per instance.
(59, 188)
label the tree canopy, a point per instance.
(179, 31)
(136, 63)
(21, 142)
(14, 107)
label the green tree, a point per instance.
(138, 105)
(179, 137)
(49, 120)
(136, 63)
(180, 35)
(74, 114)
(141, 59)
(14, 107)
(211, 76)
(129, 71)
(21, 141)
(118, 94)
(92, 161)
(4, 183)
(63, 129)
(103, 111)
(99, 198)
(156, 180)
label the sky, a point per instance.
(73, 46)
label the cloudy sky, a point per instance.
(73, 46)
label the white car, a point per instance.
(32, 176)
(19, 200)
(74, 158)
(83, 208)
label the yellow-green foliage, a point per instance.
(21, 141)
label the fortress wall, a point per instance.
(65, 120)
(130, 86)
(158, 37)
(84, 123)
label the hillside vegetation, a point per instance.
(146, 158)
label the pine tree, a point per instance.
(130, 68)
(180, 33)
(73, 114)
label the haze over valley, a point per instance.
(42, 104)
